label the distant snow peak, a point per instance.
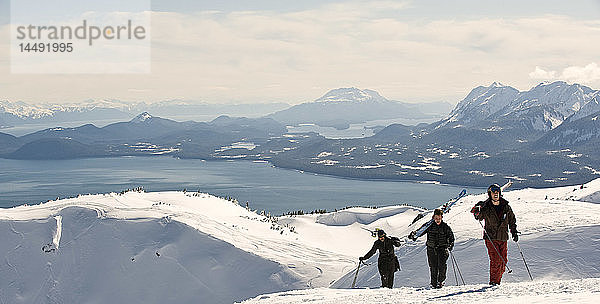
(142, 117)
(23, 110)
(545, 106)
(351, 95)
(553, 84)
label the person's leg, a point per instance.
(382, 272)
(442, 265)
(386, 270)
(391, 277)
(433, 265)
(503, 249)
(495, 262)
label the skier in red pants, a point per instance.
(499, 217)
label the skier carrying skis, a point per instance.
(440, 241)
(499, 217)
(388, 262)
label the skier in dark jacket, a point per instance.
(440, 241)
(499, 217)
(388, 262)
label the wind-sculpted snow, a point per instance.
(363, 216)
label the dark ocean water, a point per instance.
(263, 186)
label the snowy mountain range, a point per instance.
(542, 108)
(495, 132)
(344, 106)
(181, 247)
(20, 113)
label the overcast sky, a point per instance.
(295, 51)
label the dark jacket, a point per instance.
(386, 248)
(387, 262)
(440, 236)
(497, 226)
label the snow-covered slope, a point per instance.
(175, 246)
(133, 248)
(276, 258)
(584, 291)
(107, 260)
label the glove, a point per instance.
(475, 210)
(450, 247)
(515, 236)
(361, 258)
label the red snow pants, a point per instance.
(496, 262)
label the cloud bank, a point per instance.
(259, 56)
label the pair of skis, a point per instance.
(419, 232)
(445, 208)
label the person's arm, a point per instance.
(512, 223)
(450, 238)
(370, 253)
(396, 241)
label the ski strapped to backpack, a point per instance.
(445, 208)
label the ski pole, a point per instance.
(498, 252)
(523, 257)
(356, 274)
(459, 273)
(454, 270)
